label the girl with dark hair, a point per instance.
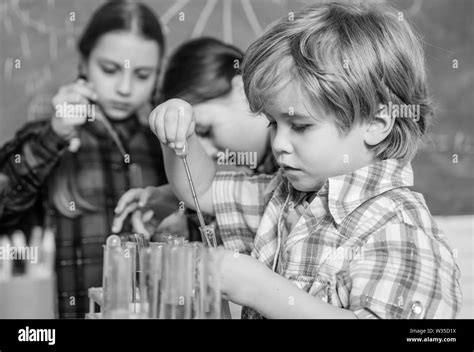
(68, 172)
(206, 73)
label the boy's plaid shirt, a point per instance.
(365, 242)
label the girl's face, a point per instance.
(123, 69)
(227, 123)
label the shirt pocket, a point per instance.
(313, 256)
(316, 286)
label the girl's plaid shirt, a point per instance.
(365, 242)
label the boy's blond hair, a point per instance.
(351, 60)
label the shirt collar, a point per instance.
(347, 192)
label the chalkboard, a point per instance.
(38, 54)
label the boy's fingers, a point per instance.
(171, 123)
(151, 121)
(119, 219)
(191, 128)
(184, 120)
(157, 123)
(132, 195)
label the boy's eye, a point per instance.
(299, 128)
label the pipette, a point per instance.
(207, 231)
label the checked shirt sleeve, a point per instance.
(25, 164)
(404, 273)
(239, 206)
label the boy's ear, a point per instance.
(380, 127)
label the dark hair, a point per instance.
(201, 69)
(121, 15)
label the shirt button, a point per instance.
(19, 187)
(417, 308)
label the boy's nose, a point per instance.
(280, 142)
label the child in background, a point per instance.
(336, 233)
(72, 170)
(206, 73)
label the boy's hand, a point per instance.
(238, 274)
(173, 122)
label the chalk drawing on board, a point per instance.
(203, 18)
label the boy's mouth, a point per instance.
(288, 168)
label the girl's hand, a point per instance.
(173, 122)
(141, 203)
(76, 94)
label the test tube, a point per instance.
(153, 279)
(48, 250)
(176, 288)
(179, 281)
(19, 242)
(130, 252)
(209, 294)
(6, 264)
(144, 263)
(172, 239)
(208, 235)
(116, 280)
(35, 242)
